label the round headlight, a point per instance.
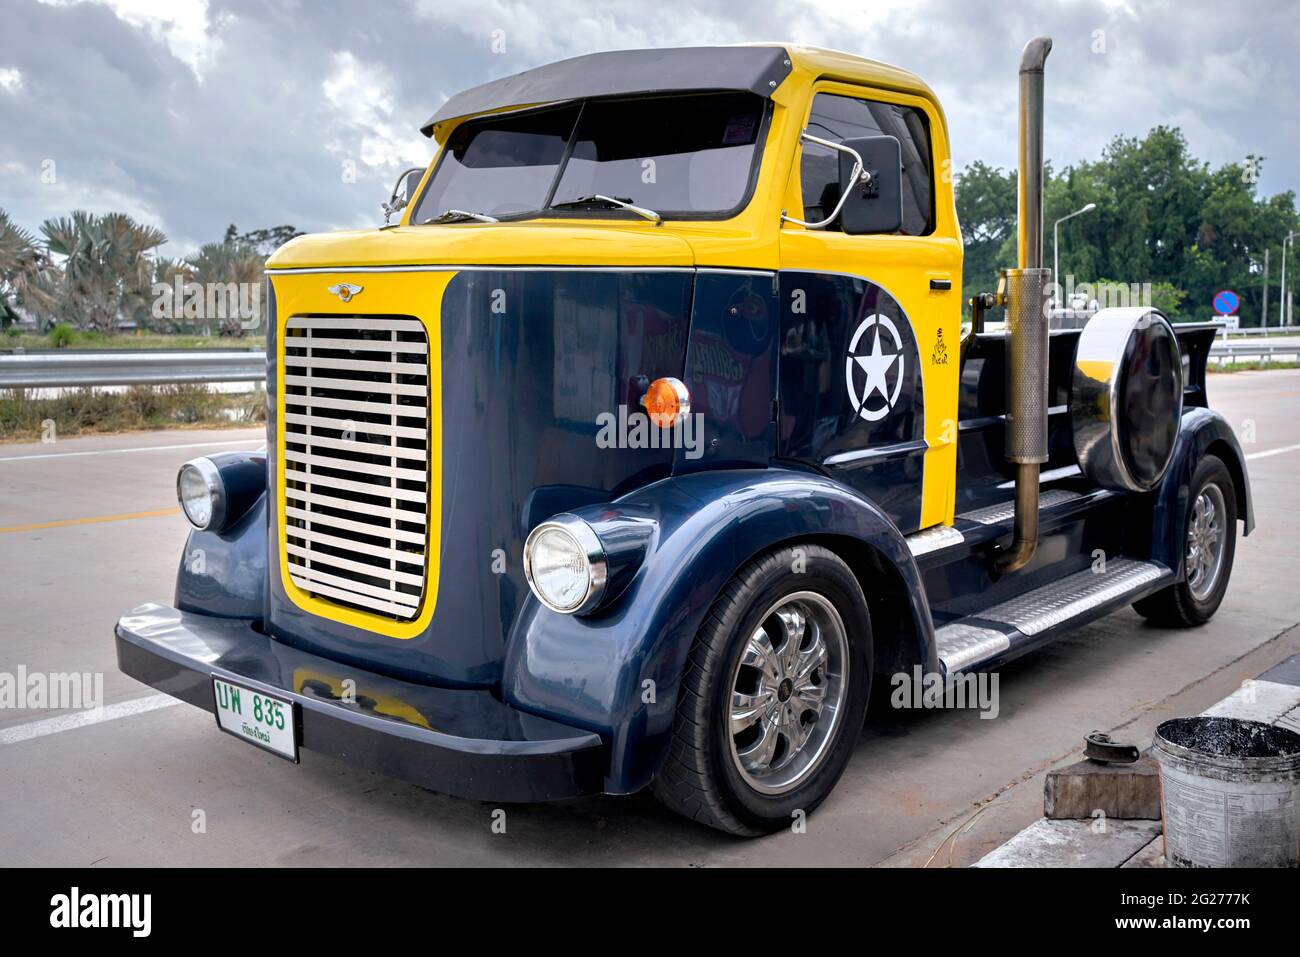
(199, 488)
(564, 563)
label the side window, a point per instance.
(842, 118)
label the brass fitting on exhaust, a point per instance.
(1026, 388)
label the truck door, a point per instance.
(870, 325)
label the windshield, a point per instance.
(678, 155)
(500, 166)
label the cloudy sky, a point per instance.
(192, 114)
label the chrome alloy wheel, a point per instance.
(787, 691)
(1205, 538)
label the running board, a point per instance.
(941, 543)
(1010, 628)
(1005, 511)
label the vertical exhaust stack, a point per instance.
(1027, 320)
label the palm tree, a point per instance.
(165, 271)
(232, 261)
(22, 265)
(106, 272)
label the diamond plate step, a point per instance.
(934, 539)
(1074, 595)
(962, 646)
(965, 644)
(1005, 511)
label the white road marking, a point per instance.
(146, 448)
(1265, 454)
(82, 719)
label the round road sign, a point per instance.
(1226, 302)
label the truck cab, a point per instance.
(647, 441)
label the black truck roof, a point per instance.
(758, 69)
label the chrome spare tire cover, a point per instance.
(1126, 398)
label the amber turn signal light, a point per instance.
(666, 402)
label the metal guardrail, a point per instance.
(75, 367)
(1232, 351)
(1263, 331)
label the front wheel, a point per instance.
(1209, 545)
(774, 694)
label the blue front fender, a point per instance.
(1202, 432)
(617, 672)
(224, 574)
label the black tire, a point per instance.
(699, 778)
(1177, 606)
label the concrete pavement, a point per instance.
(924, 786)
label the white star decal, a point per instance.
(875, 364)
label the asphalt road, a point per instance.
(88, 528)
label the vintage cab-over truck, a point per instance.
(648, 440)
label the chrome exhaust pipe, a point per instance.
(1025, 289)
(1030, 206)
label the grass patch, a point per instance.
(139, 407)
(65, 337)
(1255, 366)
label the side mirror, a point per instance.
(874, 204)
(403, 192)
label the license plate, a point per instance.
(260, 719)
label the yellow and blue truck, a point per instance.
(647, 441)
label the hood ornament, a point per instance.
(344, 290)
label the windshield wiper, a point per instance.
(627, 204)
(460, 216)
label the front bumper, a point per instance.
(461, 742)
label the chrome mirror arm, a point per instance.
(860, 177)
(397, 203)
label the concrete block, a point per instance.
(1153, 855)
(1120, 791)
(1073, 844)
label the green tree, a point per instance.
(1162, 218)
(986, 209)
(106, 271)
(1164, 296)
(265, 241)
(231, 261)
(1168, 299)
(23, 264)
(166, 270)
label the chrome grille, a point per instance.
(356, 454)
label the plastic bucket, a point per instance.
(1229, 793)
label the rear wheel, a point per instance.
(774, 694)
(1209, 546)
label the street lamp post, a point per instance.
(1056, 263)
(1283, 318)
